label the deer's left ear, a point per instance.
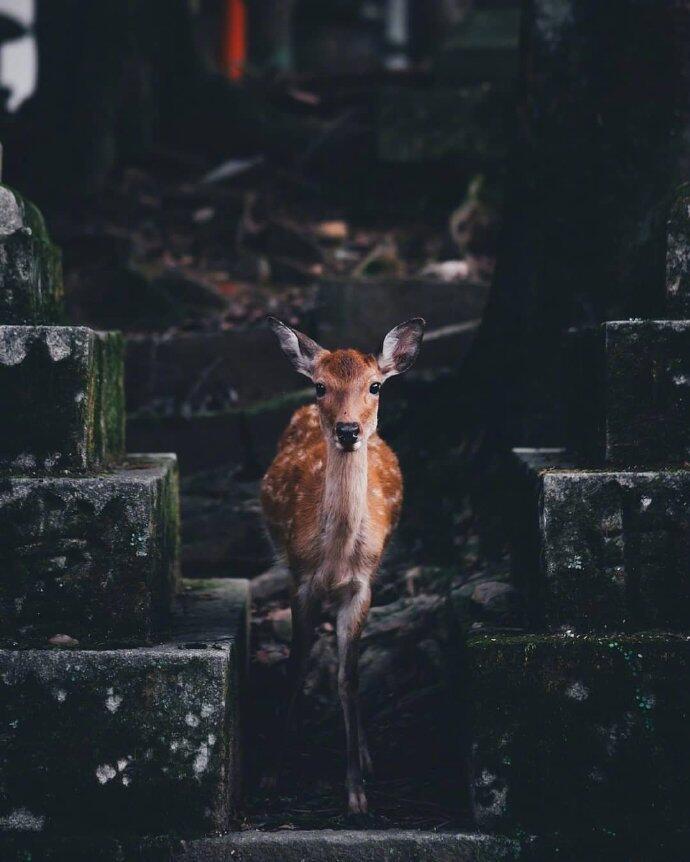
(400, 347)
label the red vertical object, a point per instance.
(235, 42)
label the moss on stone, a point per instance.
(30, 265)
(94, 557)
(61, 398)
(119, 742)
(583, 732)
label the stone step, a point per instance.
(579, 733)
(30, 265)
(483, 47)
(425, 124)
(128, 741)
(347, 845)
(195, 374)
(602, 549)
(678, 256)
(629, 390)
(357, 312)
(61, 398)
(93, 557)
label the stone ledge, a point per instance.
(578, 733)
(394, 845)
(61, 398)
(130, 741)
(600, 550)
(93, 557)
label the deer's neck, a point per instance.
(345, 498)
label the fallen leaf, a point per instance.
(332, 231)
(63, 641)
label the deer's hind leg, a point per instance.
(304, 617)
(351, 616)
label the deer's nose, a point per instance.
(347, 432)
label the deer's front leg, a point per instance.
(351, 617)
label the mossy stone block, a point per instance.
(615, 549)
(678, 255)
(122, 742)
(600, 550)
(30, 265)
(61, 398)
(93, 557)
(579, 733)
(647, 391)
(629, 392)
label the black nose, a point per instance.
(347, 432)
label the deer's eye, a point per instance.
(320, 390)
(375, 388)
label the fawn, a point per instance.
(331, 499)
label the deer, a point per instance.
(331, 500)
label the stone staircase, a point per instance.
(582, 727)
(119, 699)
(121, 693)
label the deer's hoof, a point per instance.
(356, 800)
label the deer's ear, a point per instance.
(298, 347)
(400, 347)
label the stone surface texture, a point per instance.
(30, 265)
(575, 733)
(647, 392)
(347, 845)
(615, 547)
(128, 741)
(629, 391)
(599, 550)
(61, 398)
(94, 557)
(678, 255)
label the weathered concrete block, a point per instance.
(678, 255)
(576, 733)
(94, 557)
(30, 265)
(61, 398)
(605, 550)
(629, 390)
(126, 741)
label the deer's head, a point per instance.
(348, 382)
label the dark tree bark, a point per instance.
(602, 139)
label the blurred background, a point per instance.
(502, 168)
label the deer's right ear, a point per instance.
(298, 347)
